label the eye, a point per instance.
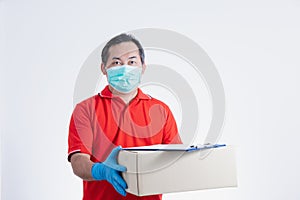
(131, 62)
(116, 62)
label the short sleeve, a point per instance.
(171, 135)
(80, 137)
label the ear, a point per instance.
(103, 69)
(143, 68)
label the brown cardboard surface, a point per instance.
(157, 172)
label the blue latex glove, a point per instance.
(110, 170)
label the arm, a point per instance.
(82, 166)
(108, 170)
(81, 141)
(171, 134)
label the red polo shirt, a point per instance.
(104, 121)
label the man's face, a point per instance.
(125, 53)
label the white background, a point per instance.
(255, 46)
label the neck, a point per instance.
(126, 97)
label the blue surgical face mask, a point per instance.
(124, 78)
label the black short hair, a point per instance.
(124, 37)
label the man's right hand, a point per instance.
(110, 170)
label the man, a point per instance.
(121, 115)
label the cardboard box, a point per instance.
(158, 172)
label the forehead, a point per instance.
(123, 49)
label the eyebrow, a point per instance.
(117, 58)
(132, 57)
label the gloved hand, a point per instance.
(110, 170)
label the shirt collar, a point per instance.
(106, 93)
